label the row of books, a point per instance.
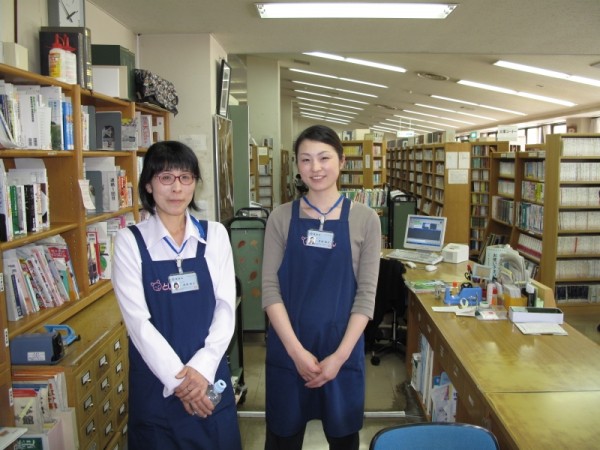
(529, 245)
(348, 178)
(506, 188)
(578, 220)
(371, 197)
(579, 196)
(532, 191)
(588, 171)
(100, 244)
(41, 117)
(24, 198)
(565, 293)
(35, 117)
(353, 164)
(577, 268)
(38, 276)
(583, 245)
(503, 209)
(580, 146)
(110, 187)
(534, 170)
(530, 217)
(40, 404)
(506, 169)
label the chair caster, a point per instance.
(375, 360)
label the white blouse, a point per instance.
(127, 282)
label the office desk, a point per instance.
(547, 420)
(489, 357)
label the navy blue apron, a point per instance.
(318, 288)
(183, 319)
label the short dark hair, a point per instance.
(166, 155)
(320, 133)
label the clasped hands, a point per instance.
(316, 373)
(192, 392)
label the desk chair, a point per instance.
(434, 436)
(391, 296)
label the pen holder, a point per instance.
(471, 295)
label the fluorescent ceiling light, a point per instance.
(325, 107)
(307, 72)
(354, 10)
(464, 102)
(547, 73)
(404, 124)
(331, 96)
(452, 111)
(361, 62)
(324, 112)
(437, 117)
(329, 103)
(334, 89)
(502, 90)
(445, 125)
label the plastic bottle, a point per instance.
(57, 60)
(70, 60)
(489, 293)
(531, 297)
(214, 391)
(454, 288)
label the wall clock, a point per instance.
(66, 13)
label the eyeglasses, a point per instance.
(168, 178)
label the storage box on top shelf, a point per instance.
(115, 55)
(111, 80)
(14, 55)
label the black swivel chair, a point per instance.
(391, 297)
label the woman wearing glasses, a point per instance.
(174, 280)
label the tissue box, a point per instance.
(455, 253)
(530, 314)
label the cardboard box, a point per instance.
(111, 80)
(14, 55)
(519, 314)
(115, 55)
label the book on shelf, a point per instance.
(93, 256)
(9, 106)
(9, 435)
(33, 171)
(53, 97)
(6, 217)
(27, 407)
(68, 137)
(59, 251)
(108, 130)
(104, 241)
(89, 135)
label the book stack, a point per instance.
(38, 276)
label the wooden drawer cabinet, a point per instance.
(6, 420)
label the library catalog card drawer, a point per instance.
(88, 432)
(84, 380)
(86, 406)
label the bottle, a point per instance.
(214, 391)
(70, 61)
(57, 60)
(531, 297)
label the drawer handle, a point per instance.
(105, 384)
(118, 368)
(86, 378)
(122, 409)
(90, 428)
(106, 407)
(121, 388)
(117, 345)
(471, 401)
(456, 371)
(109, 429)
(103, 361)
(88, 403)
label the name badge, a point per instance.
(183, 282)
(320, 239)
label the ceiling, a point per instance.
(559, 35)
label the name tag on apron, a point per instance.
(320, 239)
(183, 282)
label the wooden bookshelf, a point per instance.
(265, 177)
(555, 222)
(365, 165)
(438, 176)
(69, 219)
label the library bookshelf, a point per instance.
(438, 176)
(480, 189)
(553, 217)
(364, 166)
(70, 220)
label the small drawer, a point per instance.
(107, 432)
(86, 406)
(88, 433)
(84, 380)
(104, 385)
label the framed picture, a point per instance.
(223, 139)
(223, 88)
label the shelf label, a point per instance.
(507, 133)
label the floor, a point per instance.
(388, 400)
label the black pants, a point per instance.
(274, 442)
